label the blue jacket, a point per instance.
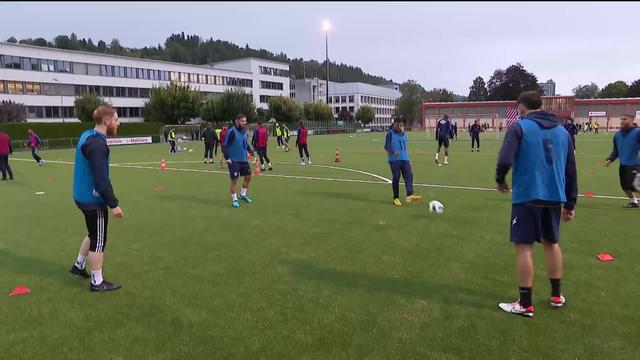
(443, 128)
(396, 141)
(626, 146)
(236, 145)
(544, 167)
(91, 185)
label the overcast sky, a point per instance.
(437, 44)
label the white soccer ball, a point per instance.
(436, 207)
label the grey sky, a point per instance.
(437, 44)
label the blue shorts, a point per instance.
(443, 141)
(531, 223)
(237, 169)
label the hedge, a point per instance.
(19, 131)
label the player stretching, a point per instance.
(443, 130)
(235, 148)
(398, 157)
(301, 142)
(259, 141)
(92, 193)
(544, 178)
(626, 146)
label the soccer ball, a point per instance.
(286, 150)
(436, 207)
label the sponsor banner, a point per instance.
(597, 113)
(129, 140)
(295, 132)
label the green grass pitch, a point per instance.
(320, 266)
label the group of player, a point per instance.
(34, 143)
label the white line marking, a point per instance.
(384, 182)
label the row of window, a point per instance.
(30, 88)
(379, 111)
(271, 85)
(25, 63)
(265, 98)
(377, 100)
(265, 70)
(340, 99)
(57, 112)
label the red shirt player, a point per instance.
(301, 142)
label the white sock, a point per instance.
(234, 197)
(446, 159)
(96, 277)
(634, 199)
(437, 155)
(81, 261)
(243, 192)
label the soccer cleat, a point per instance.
(80, 272)
(558, 301)
(440, 165)
(412, 198)
(235, 203)
(302, 163)
(262, 167)
(446, 162)
(245, 199)
(270, 167)
(397, 202)
(104, 286)
(516, 309)
(437, 163)
(309, 162)
(632, 205)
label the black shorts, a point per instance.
(443, 141)
(97, 221)
(627, 175)
(237, 169)
(532, 223)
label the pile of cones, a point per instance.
(337, 159)
(257, 172)
(163, 164)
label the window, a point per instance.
(219, 80)
(132, 92)
(330, 99)
(134, 112)
(152, 74)
(51, 112)
(110, 70)
(271, 85)
(130, 73)
(80, 90)
(107, 91)
(120, 92)
(1, 86)
(144, 93)
(14, 87)
(350, 98)
(50, 89)
(351, 109)
(292, 95)
(336, 99)
(175, 76)
(67, 90)
(12, 62)
(103, 70)
(80, 68)
(264, 98)
(343, 99)
(184, 77)
(26, 63)
(32, 88)
(94, 90)
(68, 111)
(59, 66)
(337, 110)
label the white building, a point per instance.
(48, 80)
(350, 97)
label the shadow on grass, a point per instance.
(202, 200)
(348, 196)
(425, 289)
(26, 265)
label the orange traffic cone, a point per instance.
(258, 173)
(337, 159)
(163, 164)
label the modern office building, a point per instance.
(549, 88)
(47, 80)
(349, 97)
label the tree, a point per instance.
(508, 84)
(102, 46)
(40, 42)
(115, 47)
(86, 104)
(262, 115)
(234, 102)
(12, 40)
(12, 111)
(439, 95)
(366, 115)
(409, 105)
(318, 111)
(172, 104)
(618, 89)
(345, 115)
(586, 91)
(634, 89)
(478, 90)
(284, 109)
(208, 109)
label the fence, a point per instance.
(62, 143)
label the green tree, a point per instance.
(12, 40)
(586, 91)
(234, 102)
(409, 105)
(345, 115)
(208, 109)
(618, 89)
(509, 83)
(12, 111)
(318, 111)
(634, 89)
(86, 104)
(478, 90)
(172, 104)
(40, 42)
(262, 115)
(366, 115)
(439, 95)
(284, 109)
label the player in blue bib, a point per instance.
(626, 147)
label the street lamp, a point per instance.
(61, 102)
(326, 26)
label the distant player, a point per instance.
(596, 126)
(260, 141)
(93, 193)
(5, 151)
(475, 134)
(210, 141)
(626, 147)
(573, 131)
(279, 135)
(235, 149)
(398, 157)
(34, 144)
(544, 178)
(286, 135)
(301, 143)
(223, 135)
(172, 141)
(215, 148)
(443, 130)
(455, 130)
